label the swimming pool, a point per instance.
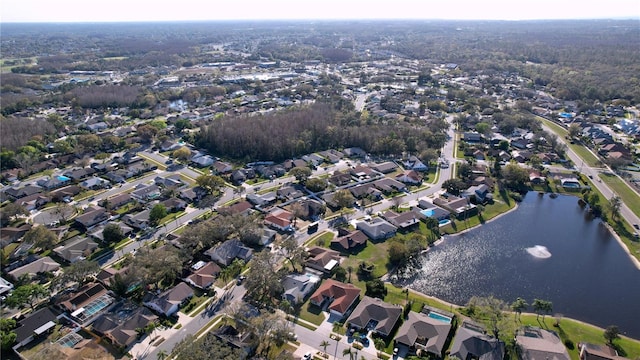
(63, 178)
(427, 212)
(444, 222)
(436, 316)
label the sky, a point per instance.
(184, 10)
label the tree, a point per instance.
(7, 335)
(157, 213)
(614, 205)
(428, 156)
(515, 176)
(155, 266)
(112, 234)
(464, 171)
(574, 131)
(191, 348)
(611, 333)
(398, 253)
(339, 273)
(41, 237)
(503, 145)
(301, 173)
(162, 355)
(183, 154)
(519, 306)
(263, 280)
(62, 211)
(316, 184)
(542, 307)
(11, 211)
(26, 295)
(292, 252)
(343, 198)
(77, 272)
(491, 312)
(348, 351)
(376, 288)
(453, 186)
(211, 183)
(182, 124)
(324, 344)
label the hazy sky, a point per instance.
(176, 10)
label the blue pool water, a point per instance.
(439, 317)
(428, 212)
(565, 115)
(63, 178)
(444, 221)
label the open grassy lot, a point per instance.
(627, 195)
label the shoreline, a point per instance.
(386, 276)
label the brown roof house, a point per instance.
(204, 274)
(76, 249)
(92, 216)
(322, 259)
(42, 265)
(337, 297)
(375, 315)
(421, 332)
(536, 343)
(598, 352)
(349, 241)
(471, 342)
(169, 301)
(122, 327)
(87, 303)
(279, 219)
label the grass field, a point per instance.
(628, 196)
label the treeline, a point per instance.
(15, 132)
(94, 96)
(292, 133)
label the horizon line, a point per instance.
(313, 19)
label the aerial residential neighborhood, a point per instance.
(243, 196)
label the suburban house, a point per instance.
(322, 259)
(336, 296)
(354, 152)
(598, 352)
(310, 209)
(118, 201)
(377, 229)
(87, 303)
(169, 301)
(471, 137)
(172, 180)
(366, 190)
(97, 232)
(204, 274)
(340, 178)
(5, 286)
(13, 234)
(261, 199)
(144, 193)
(409, 177)
(138, 220)
(362, 172)
(536, 343)
(76, 249)
(479, 193)
(279, 219)
(229, 250)
(385, 167)
(373, 314)
(289, 193)
(35, 326)
(403, 220)
(92, 216)
(94, 183)
(232, 337)
(458, 206)
(421, 332)
(413, 163)
(471, 342)
(243, 208)
(201, 160)
(388, 185)
(174, 204)
(65, 193)
(222, 167)
(267, 236)
(349, 241)
(298, 286)
(42, 265)
(120, 329)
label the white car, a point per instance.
(307, 356)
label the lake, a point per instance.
(548, 249)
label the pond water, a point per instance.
(550, 249)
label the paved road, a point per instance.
(159, 158)
(196, 323)
(593, 172)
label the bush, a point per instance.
(569, 344)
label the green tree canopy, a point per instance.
(28, 294)
(157, 213)
(112, 233)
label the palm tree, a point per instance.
(349, 270)
(537, 305)
(547, 307)
(518, 306)
(348, 351)
(162, 355)
(323, 345)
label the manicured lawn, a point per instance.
(627, 195)
(323, 238)
(170, 217)
(375, 254)
(311, 313)
(575, 331)
(581, 150)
